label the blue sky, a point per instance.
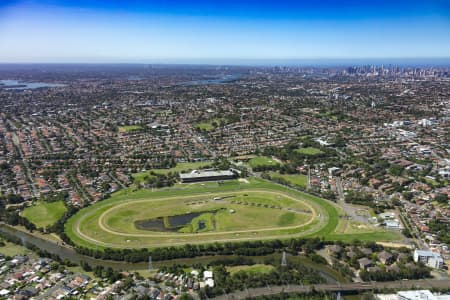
(221, 31)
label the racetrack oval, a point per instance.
(260, 213)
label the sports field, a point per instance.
(44, 214)
(262, 161)
(130, 128)
(211, 124)
(293, 179)
(202, 213)
(309, 151)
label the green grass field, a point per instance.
(250, 214)
(11, 249)
(262, 161)
(253, 269)
(309, 151)
(130, 128)
(294, 179)
(44, 214)
(246, 211)
(207, 126)
(210, 124)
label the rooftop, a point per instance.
(206, 173)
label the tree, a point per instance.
(441, 198)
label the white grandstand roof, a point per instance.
(208, 173)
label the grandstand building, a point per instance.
(207, 175)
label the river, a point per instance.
(68, 253)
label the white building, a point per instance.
(412, 295)
(4, 293)
(420, 295)
(392, 224)
(207, 274)
(208, 277)
(430, 259)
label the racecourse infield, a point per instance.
(230, 211)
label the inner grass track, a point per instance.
(110, 223)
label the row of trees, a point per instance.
(360, 198)
(413, 272)
(366, 199)
(11, 199)
(442, 229)
(13, 218)
(249, 248)
(158, 180)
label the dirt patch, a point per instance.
(395, 245)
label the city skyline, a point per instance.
(235, 32)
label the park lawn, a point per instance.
(431, 182)
(207, 126)
(11, 249)
(130, 128)
(79, 270)
(210, 124)
(309, 151)
(140, 177)
(262, 161)
(294, 179)
(44, 214)
(253, 269)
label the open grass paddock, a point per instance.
(309, 151)
(130, 128)
(262, 161)
(202, 213)
(44, 214)
(293, 179)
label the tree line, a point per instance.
(418, 271)
(248, 248)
